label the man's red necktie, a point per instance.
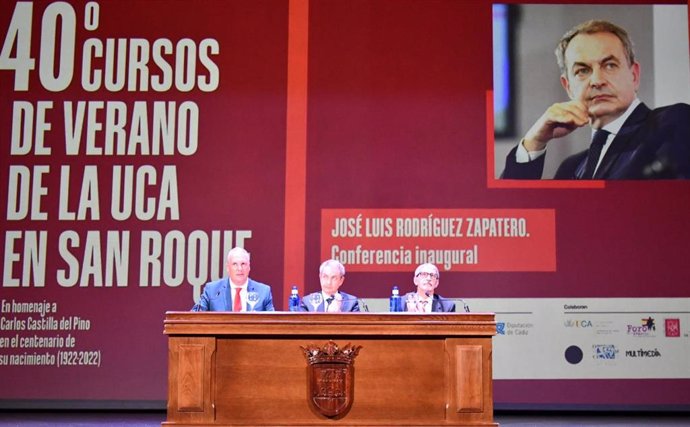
(237, 304)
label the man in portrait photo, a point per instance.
(601, 76)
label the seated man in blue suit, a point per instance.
(630, 141)
(232, 293)
(425, 300)
(330, 299)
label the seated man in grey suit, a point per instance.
(330, 299)
(237, 292)
(425, 300)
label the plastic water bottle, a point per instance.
(293, 302)
(395, 301)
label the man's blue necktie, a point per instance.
(598, 142)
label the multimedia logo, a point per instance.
(643, 353)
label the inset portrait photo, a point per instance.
(585, 92)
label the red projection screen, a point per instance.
(142, 140)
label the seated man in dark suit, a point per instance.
(330, 299)
(425, 300)
(630, 141)
(237, 292)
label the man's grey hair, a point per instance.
(335, 262)
(238, 251)
(592, 27)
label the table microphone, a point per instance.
(465, 307)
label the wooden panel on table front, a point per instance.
(412, 388)
(469, 378)
(190, 370)
(471, 391)
(190, 379)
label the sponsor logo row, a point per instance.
(574, 354)
(645, 328)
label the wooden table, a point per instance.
(242, 369)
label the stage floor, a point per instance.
(514, 419)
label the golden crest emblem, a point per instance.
(331, 376)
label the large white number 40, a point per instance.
(19, 35)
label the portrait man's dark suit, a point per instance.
(652, 144)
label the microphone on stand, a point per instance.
(197, 306)
(355, 301)
(465, 307)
